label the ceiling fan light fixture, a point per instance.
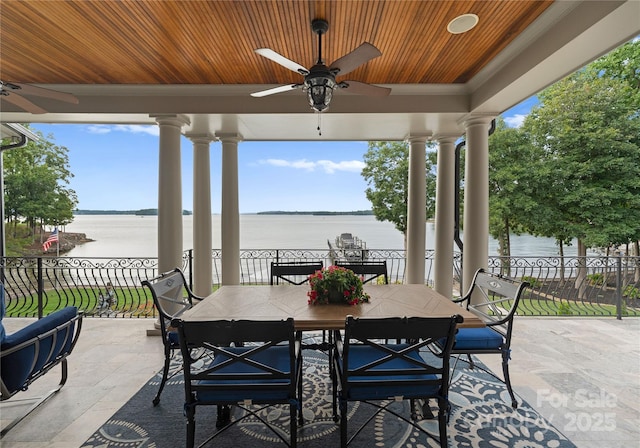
(320, 80)
(462, 24)
(320, 91)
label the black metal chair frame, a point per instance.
(370, 270)
(384, 373)
(170, 289)
(243, 372)
(282, 270)
(496, 298)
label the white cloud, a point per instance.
(327, 166)
(132, 128)
(99, 129)
(354, 166)
(515, 121)
(298, 164)
(138, 129)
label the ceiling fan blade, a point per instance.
(355, 59)
(362, 88)
(23, 103)
(278, 58)
(276, 90)
(27, 89)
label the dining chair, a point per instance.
(171, 297)
(262, 371)
(381, 374)
(293, 272)
(369, 270)
(494, 298)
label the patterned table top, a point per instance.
(281, 302)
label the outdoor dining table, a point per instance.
(234, 302)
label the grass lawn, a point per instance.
(130, 302)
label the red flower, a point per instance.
(336, 278)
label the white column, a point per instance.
(170, 192)
(202, 245)
(230, 218)
(476, 198)
(416, 210)
(445, 222)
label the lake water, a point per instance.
(134, 236)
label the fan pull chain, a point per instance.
(319, 123)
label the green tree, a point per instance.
(622, 64)
(36, 184)
(587, 129)
(512, 171)
(387, 174)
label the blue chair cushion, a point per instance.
(380, 387)
(17, 366)
(477, 339)
(235, 390)
(173, 338)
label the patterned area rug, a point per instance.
(481, 416)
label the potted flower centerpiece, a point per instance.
(336, 284)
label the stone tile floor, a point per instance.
(581, 374)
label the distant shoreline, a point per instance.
(320, 213)
(141, 212)
(154, 212)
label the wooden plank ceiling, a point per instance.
(212, 42)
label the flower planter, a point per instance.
(336, 285)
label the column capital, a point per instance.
(446, 138)
(229, 137)
(418, 138)
(178, 120)
(206, 137)
(477, 119)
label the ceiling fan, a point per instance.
(14, 93)
(320, 80)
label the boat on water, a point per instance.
(348, 247)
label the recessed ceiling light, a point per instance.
(462, 24)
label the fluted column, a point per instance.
(202, 245)
(416, 210)
(476, 198)
(170, 192)
(445, 222)
(230, 218)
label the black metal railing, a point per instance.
(561, 286)
(576, 286)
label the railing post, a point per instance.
(40, 288)
(619, 287)
(190, 267)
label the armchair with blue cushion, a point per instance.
(495, 299)
(171, 297)
(31, 352)
(253, 363)
(366, 369)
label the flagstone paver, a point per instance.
(582, 374)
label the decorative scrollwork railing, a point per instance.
(561, 286)
(576, 286)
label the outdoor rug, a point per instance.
(481, 416)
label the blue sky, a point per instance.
(116, 168)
